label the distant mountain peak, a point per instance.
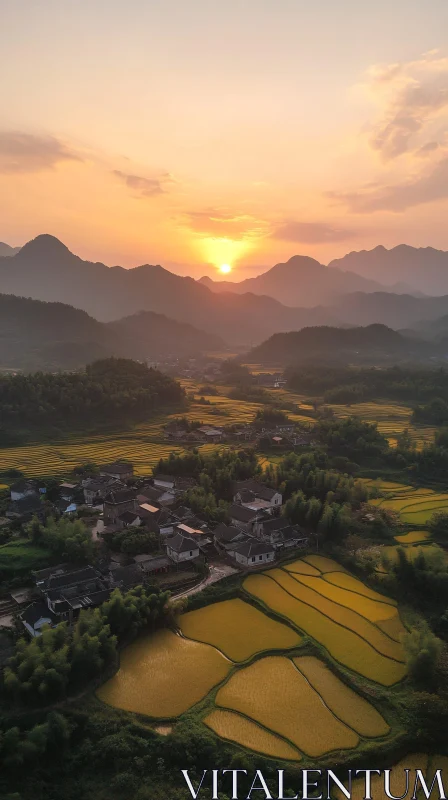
(45, 245)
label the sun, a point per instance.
(225, 268)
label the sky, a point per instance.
(207, 133)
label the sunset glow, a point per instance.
(225, 268)
(193, 161)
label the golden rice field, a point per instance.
(358, 643)
(391, 418)
(346, 581)
(163, 675)
(397, 779)
(345, 617)
(413, 537)
(324, 564)
(344, 703)
(273, 692)
(237, 629)
(144, 444)
(414, 505)
(236, 728)
(264, 706)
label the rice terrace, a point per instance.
(305, 640)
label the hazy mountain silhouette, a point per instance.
(6, 250)
(41, 335)
(423, 268)
(369, 344)
(394, 310)
(301, 281)
(46, 270)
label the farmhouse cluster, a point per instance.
(186, 546)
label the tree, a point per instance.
(422, 650)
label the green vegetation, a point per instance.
(19, 557)
(109, 391)
(63, 660)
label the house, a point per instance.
(23, 488)
(121, 471)
(125, 577)
(71, 592)
(246, 519)
(26, 507)
(35, 617)
(225, 536)
(210, 434)
(164, 481)
(257, 496)
(288, 537)
(201, 534)
(149, 494)
(129, 519)
(117, 501)
(252, 553)
(158, 520)
(68, 491)
(95, 489)
(181, 548)
(153, 565)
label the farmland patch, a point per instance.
(163, 675)
(238, 629)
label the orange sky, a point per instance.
(202, 133)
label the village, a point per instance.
(186, 552)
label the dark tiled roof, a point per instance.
(181, 543)
(165, 478)
(128, 517)
(227, 533)
(259, 489)
(129, 576)
(71, 578)
(27, 504)
(275, 524)
(253, 547)
(118, 496)
(35, 612)
(241, 513)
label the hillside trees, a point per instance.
(107, 391)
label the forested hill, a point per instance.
(373, 343)
(38, 335)
(109, 391)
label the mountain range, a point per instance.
(40, 335)
(372, 344)
(312, 294)
(304, 282)
(422, 268)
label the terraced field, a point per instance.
(361, 632)
(237, 629)
(236, 728)
(163, 675)
(275, 693)
(392, 419)
(144, 444)
(415, 506)
(263, 699)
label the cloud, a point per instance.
(144, 187)
(412, 96)
(223, 224)
(427, 149)
(429, 186)
(25, 152)
(311, 233)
